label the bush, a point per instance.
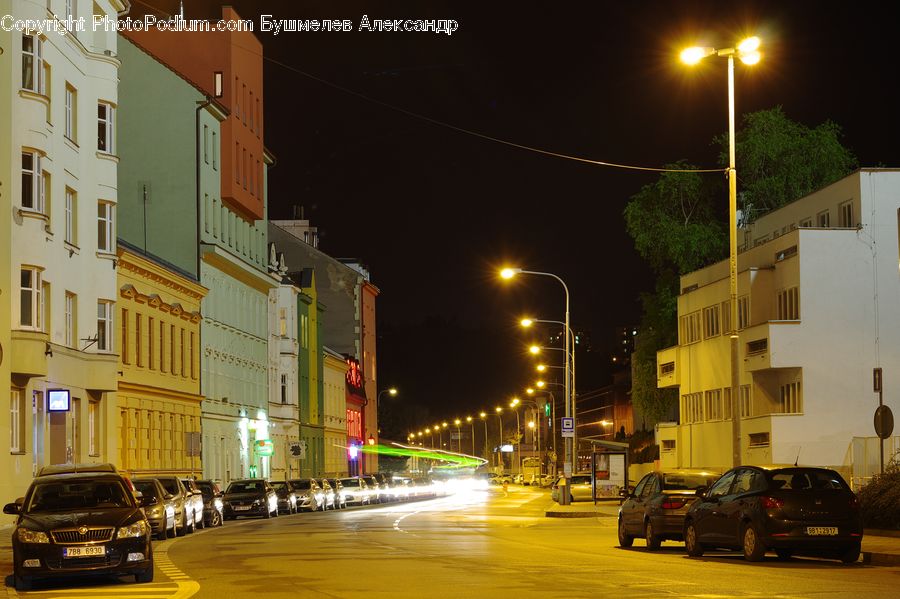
(880, 499)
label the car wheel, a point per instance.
(851, 554)
(268, 514)
(23, 583)
(180, 531)
(691, 542)
(754, 550)
(201, 523)
(784, 554)
(144, 576)
(163, 534)
(276, 513)
(215, 519)
(193, 525)
(625, 539)
(653, 541)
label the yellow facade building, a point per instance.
(159, 367)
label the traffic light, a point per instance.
(547, 409)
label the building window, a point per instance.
(105, 124)
(33, 182)
(237, 163)
(71, 309)
(71, 129)
(206, 144)
(16, 421)
(93, 428)
(846, 214)
(191, 356)
(304, 331)
(126, 355)
(71, 216)
(105, 227)
(284, 392)
(758, 439)
(823, 219)
(711, 321)
(151, 346)
(182, 348)
(789, 304)
(282, 321)
(252, 173)
(104, 325)
(791, 401)
(743, 312)
(162, 346)
(172, 354)
(30, 300)
(33, 63)
(138, 340)
(215, 151)
(692, 408)
(714, 404)
(244, 168)
(690, 328)
(806, 222)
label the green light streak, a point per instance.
(453, 460)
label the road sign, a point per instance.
(884, 422)
(568, 427)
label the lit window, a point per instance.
(104, 325)
(105, 124)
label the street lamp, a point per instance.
(483, 416)
(514, 405)
(748, 52)
(470, 421)
(458, 437)
(392, 391)
(499, 411)
(448, 436)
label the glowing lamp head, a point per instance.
(457, 422)
(694, 55)
(498, 409)
(541, 367)
(531, 424)
(751, 44)
(468, 419)
(534, 349)
(526, 322)
(444, 425)
(540, 384)
(750, 58)
(529, 391)
(371, 440)
(392, 391)
(514, 402)
(483, 414)
(508, 273)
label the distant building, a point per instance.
(818, 310)
(334, 374)
(623, 347)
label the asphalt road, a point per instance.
(480, 545)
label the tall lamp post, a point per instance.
(457, 422)
(499, 411)
(748, 52)
(483, 416)
(571, 447)
(472, 422)
(514, 404)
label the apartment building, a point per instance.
(818, 310)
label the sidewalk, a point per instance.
(879, 547)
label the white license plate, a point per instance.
(819, 531)
(92, 551)
(241, 508)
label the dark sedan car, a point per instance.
(655, 509)
(79, 523)
(783, 509)
(250, 497)
(287, 497)
(213, 508)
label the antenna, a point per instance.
(798, 456)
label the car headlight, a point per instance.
(257, 502)
(154, 512)
(218, 504)
(138, 529)
(32, 536)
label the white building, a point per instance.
(819, 309)
(334, 373)
(284, 390)
(58, 226)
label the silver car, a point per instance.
(580, 488)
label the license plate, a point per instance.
(241, 508)
(92, 551)
(818, 531)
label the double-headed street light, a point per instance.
(748, 52)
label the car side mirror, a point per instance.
(220, 494)
(700, 492)
(11, 508)
(624, 493)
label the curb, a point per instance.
(874, 558)
(557, 514)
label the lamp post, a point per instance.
(483, 416)
(444, 425)
(748, 52)
(472, 422)
(571, 445)
(499, 411)
(514, 405)
(457, 422)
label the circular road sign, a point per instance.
(884, 422)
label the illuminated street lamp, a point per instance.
(748, 52)
(514, 405)
(472, 422)
(458, 437)
(483, 416)
(499, 411)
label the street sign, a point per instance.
(884, 422)
(568, 427)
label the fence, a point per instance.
(865, 458)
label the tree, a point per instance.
(779, 160)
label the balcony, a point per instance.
(667, 374)
(772, 344)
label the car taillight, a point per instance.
(673, 504)
(771, 503)
(854, 502)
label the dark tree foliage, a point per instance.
(879, 500)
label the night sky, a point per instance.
(434, 212)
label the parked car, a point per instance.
(783, 509)
(79, 523)
(190, 485)
(340, 502)
(250, 497)
(519, 479)
(356, 491)
(655, 509)
(374, 489)
(385, 484)
(213, 508)
(310, 497)
(422, 487)
(400, 489)
(328, 492)
(158, 507)
(287, 496)
(182, 500)
(580, 488)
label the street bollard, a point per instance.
(563, 491)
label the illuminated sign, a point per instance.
(354, 374)
(58, 400)
(264, 447)
(353, 452)
(506, 448)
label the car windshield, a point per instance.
(302, 485)
(279, 486)
(245, 487)
(581, 480)
(804, 479)
(687, 482)
(78, 495)
(147, 489)
(206, 491)
(350, 482)
(170, 485)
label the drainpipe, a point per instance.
(200, 106)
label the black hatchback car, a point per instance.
(787, 510)
(250, 497)
(79, 523)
